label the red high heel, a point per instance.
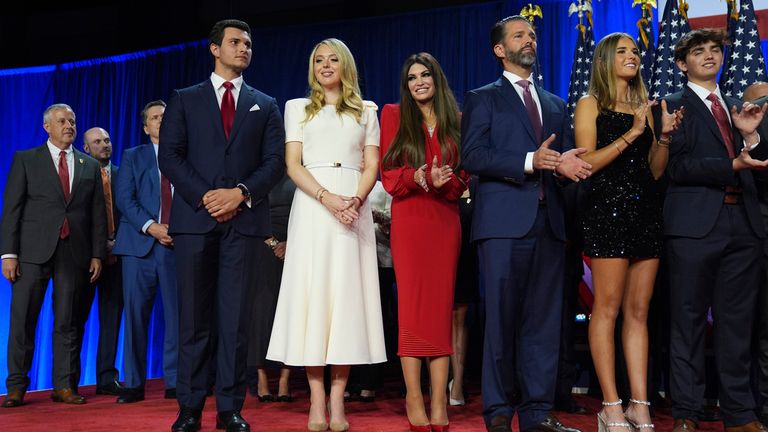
(424, 428)
(440, 428)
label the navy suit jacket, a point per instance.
(699, 170)
(496, 136)
(196, 156)
(137, 196)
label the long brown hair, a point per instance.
(408, 145)
(602, 84)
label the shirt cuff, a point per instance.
(146, 225)
(529, 163)
(752, 146)
(9, 256)
(248, 200)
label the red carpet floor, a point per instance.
(387, 413)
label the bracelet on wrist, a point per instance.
(617, 147)
(319, 193)
(626, 141)
(320, 197)
(663, 142)
(359, 200)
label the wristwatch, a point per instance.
(244, 190)
(273, 242)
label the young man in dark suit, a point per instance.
(98, 144)
(517, 137)
(714, 234)
(222, 146)
(144, 199)
(53, 225)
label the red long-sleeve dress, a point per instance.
(425, 240)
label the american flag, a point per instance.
(667, 78)
(646, 39)
(581, 69)
(744, 64)
(530, 12)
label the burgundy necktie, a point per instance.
(227, 108)
(165, 199)
(722, 123)
(64, 180)
(532, 109)
(533, 114)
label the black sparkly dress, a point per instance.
(622, 213)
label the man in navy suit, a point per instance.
(144, 198)
(98, 144)
(517, 138)
(714, 236)
(222, 145)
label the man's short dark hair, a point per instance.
(217, 32)
(698, 37)
(144, 112)
(499, 30)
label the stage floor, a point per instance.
(386, 414)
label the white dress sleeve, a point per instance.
(371, 123)
(294, 120)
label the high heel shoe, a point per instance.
(635, 425)
(440, 428)
(603, 425)
(452, 401)
(317, 426)
(422, 428)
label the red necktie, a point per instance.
(532, 109)
(722, 123)
(227, 108)
(165, 199)
(533, 114)
(64, 180)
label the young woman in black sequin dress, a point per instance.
(622, 219)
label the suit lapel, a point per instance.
(509, 94)
(547, 108)
(49, 171)
(211, 105)
(245, 101)
(79, 161)
(691, 99)
(150, 160)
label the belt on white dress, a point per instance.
(331, 165)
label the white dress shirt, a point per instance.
(703, 93)
(218, 85)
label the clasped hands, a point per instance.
(567, 164)
(223, 204)
(440, 175)
(343, 208)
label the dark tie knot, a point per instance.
(524, 84)
(228, 85)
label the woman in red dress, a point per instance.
(420, 158)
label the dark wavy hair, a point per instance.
(407, 148)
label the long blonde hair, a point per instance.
(350, 102)
(602, 84)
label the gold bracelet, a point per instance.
(322, 192)
(319, 192)
(617, 147)
(625, 140)
(663, 142)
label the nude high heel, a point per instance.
(635, 425)
(603, 425)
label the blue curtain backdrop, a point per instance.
(110, 93)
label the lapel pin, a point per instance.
(81, 160)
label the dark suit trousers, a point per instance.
(110, 310)
(28, 292)
(722, 270)
(523, 281)
(216, 275)
(762, 344)
(142, 277)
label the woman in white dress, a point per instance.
(328, 309)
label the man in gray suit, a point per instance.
(53, 226)
(758, 93)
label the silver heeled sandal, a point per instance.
(635, 425)
(603, 425)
